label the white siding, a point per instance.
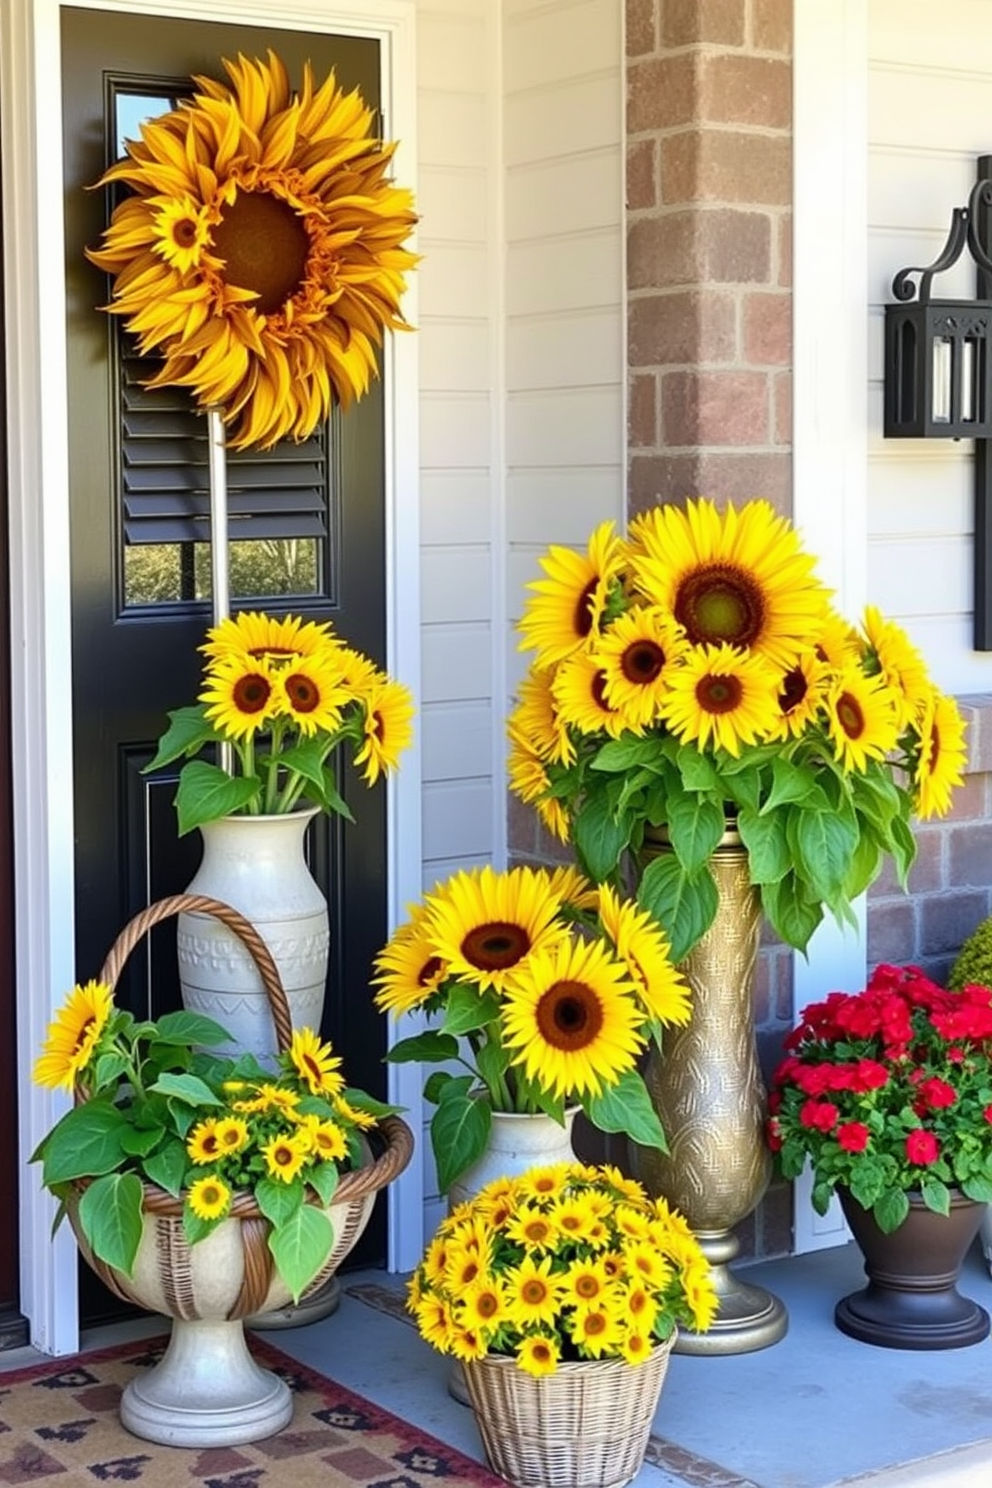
(929, 117)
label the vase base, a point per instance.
(313, 1309)
(943, 1320)
(207, 1391)
(748, 1319)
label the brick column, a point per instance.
(709, 308)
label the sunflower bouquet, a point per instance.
(694, 676)
(283, 694)
(564, 1262)
(546, 989)
(155, 1107)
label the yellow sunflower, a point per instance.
(579, 689)
(269, 637)
(943, 755)
(530, 1226)
(407, 971)
(309, 691)
(231, 1135)
(388, 727)
(315, 1063)
(569, 884)
(565, 608)
(259, 248)
(484, 923)
(533, 1291)
(738, 578)
(285, 1155)
(537, 720)
(73, 1035)
(433, 1316)
(642, 945)
(570, 1018)
(596, 1331)
(530, 781)
(483, 1304)
(902, 667)
(837, 642)
(587, 1283)
(636, 653)
(241, 694)
(635, 1345)
(722, 695)
(538, 1354)
(209, 1197)
(863, 718)
(802, 691)
(203, 1144)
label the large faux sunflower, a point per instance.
(636, 654)
(943, 754)
(408, 971)
(565, 608)
(260, 251)
(570, 1018)
(73, 1035)
(483, 923)
(739, 578)
(721, 695)
(863, 718)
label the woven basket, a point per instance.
(585, 1426)
(231, 1273)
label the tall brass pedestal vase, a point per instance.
(708, 1091)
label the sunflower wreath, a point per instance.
(260, 252)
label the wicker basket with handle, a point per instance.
(584, 1426)
(230, 1274)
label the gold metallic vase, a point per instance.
(707, 1089)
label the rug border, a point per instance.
(383, 1419)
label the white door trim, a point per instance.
(30, 125)
(830, 423)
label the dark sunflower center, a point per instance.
(487, 1306)
(265, 245)
(184, 232)
(312, 1065)
(850, 716)
(642, 662)
(535, 1292)
(599, 692)
(569, 1016)
(594, 1323)
(536, 1232)
(429, 970)
(934, 745)
(302, 693)
(587, 1286)
(720, 603)
(583, 609)
(211, 1145)
(794, 689)
(283, 1156)
(716, 694)
(83, 1032)
(495, 946)
(210, 1194)
(251, 693)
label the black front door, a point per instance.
(140, 560)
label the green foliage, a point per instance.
(974, 960)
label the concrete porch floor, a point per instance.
(816, 1410)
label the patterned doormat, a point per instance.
(59, 1424)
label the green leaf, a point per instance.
(187, 1088)
(765, 838)
(429, 1047)
(684, 907)
(619, 756)
(793, 917)
(789, 783)
(469, 1009)
(492, 1062)
(301, 1246)
(138, 1141)
(307, 759)
(890, 1210)
(626, 1107)
(697, 770)
(439, 1081)
(323, 1179)
(600, 837)
(110, 1214)
(206, 793)
(85, 1142)
(826, 843)
(188, 731)
(278, 1201)
(459, 1132)
(979, 1189)
(196, 1228)
(329, 797)
(190, 1028)
(935, 1195)
(167, 1167)
(695, 826)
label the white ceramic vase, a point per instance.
(257, 865)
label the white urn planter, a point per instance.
(257, 865)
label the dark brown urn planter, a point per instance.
(911, 1300)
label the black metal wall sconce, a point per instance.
(938, 368)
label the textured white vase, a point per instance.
(517, 1141)
(256, 864)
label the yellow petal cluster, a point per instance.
(260, 248)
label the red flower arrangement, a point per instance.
(887, 1091)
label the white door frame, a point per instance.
(41, 691)
(830, 397)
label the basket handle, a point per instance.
(136, 928)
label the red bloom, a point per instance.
(870, 1075)
(987, 1113)
(922, 1148)
(853, 1136)
(773, 1135)
(820, 1115)
(936, 1093)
